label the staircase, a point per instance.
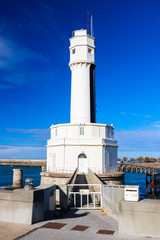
(84, 191)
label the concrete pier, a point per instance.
(23, 162)
(139, 167)
(116, 178)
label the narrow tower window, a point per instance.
(56, 132)
(89, 50)
(73, 51)
(81, 130)
(109, 132)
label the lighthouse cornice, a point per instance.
(81, 124)
(82, 44)
(81, 61)
(81, 36)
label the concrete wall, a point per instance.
(112, 195)
(112, 178)
(140, 218)
(60, 180)
(72, 178)
(49, 192)
(92, 178)
(55, 178)
(27, 206)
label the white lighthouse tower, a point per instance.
(82, 64)
(82, 143)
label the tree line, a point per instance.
(140, 159)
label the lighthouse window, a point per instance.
(81, 130)
(73, 51)
(89, 50)
(56, 132)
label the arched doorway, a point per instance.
(82, 163)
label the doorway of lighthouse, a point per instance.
(82, 163)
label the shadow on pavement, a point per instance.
(70, 214)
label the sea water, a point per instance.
(6, 177)
(136, 179)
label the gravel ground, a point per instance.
(10, 231)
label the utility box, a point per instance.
(131, 193)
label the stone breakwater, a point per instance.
(23, 162)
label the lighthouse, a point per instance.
(82, 143)
(82, 65)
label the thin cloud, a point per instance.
(12, 53)
(20, 64)
(44, 5)
(131, 114)
(4, 86)
(23, 143)
(27, 130)
(147, 116)
(12, 56)
(12, 80)
(41, 134)
(37, 14)
(35, 152)
(156, 124)
(140, 140)
(135, 115)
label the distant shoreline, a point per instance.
(23, 162)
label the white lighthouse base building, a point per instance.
(81, 146)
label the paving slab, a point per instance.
(89, 224)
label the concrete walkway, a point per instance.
(89, 222)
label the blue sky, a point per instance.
(35, 77)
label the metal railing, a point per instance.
(105, 170)
(76, 199)
(62, 170)
(94, 169)
(112, 195)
